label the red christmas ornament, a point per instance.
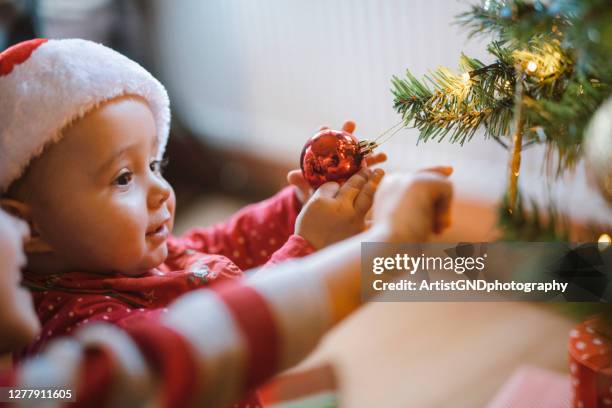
(331, 155)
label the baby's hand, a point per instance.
(334, 213)
(303, 190)
(413, 207)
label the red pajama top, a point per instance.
(259, 234)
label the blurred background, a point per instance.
(251, 81)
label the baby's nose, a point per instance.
(159, 193)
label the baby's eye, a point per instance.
(123, 179)
(158, 166)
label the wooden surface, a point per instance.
(439, 354)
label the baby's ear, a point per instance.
(34, 243)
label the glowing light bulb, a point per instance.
(603, 242)
(532, 67)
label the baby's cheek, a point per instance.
(171, 208)
(131, 241)
(7, 255)
(155, 257)
(118, 239)
(119, 231)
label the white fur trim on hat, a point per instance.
(61, 81)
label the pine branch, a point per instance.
(446, 104)
(514, 164)
(559, 100)
(517, 20)
(529, 225)
(558, 51)
(546, 63)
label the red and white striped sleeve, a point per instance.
(211, 348)
(263, 325)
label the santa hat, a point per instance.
(47, 84)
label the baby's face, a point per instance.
(97, 197)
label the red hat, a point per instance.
(47, 84)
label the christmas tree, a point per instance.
(550, 73)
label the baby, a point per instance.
(83, 131)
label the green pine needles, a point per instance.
(455, 106)
(551, 69)
(562, 80)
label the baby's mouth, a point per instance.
(159, 232)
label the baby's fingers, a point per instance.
(327, 190)
(349, 126)
(441, 170)
(375, 159)
(442, 195)
(442, 218)
(365, 198)
(349, 190)
(302, 188)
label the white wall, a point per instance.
(262, 75)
